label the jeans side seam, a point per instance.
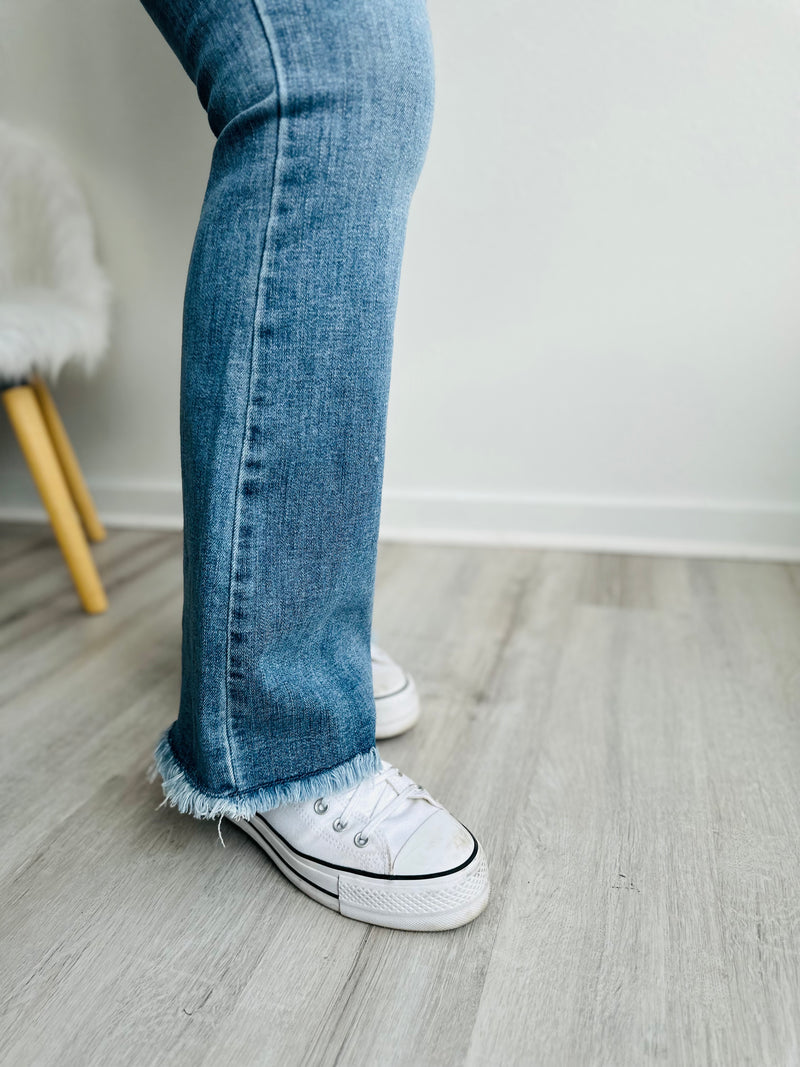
(235, 537)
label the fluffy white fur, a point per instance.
(54, 296)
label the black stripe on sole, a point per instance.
(277, 858)
(371, 874)
(394, 693)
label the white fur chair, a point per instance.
(54, 307)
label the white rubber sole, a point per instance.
(396, 712)
(439, 902)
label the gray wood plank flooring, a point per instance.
(623, 733)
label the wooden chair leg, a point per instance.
(31, 430)
(95, 530)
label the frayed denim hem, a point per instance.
(181, 793)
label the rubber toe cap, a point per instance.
(439, 845)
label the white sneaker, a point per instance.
(384, 852)
(396, 700)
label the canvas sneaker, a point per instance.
(384, 852)
(396, 699)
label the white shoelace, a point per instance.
(410, 791)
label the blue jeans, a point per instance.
(321, 111)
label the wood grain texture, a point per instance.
(622, 732)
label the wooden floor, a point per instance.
(622, 732)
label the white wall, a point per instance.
(598, 339)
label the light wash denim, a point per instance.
(321, 111)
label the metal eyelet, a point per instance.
(320, 806)
(359, 840)
(338, 825)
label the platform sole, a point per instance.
(440, 902)
(396, 712)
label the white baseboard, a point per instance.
(121, 504)
(638, 525)
(650, 526)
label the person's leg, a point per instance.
(322, 111)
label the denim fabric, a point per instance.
(321, 111)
